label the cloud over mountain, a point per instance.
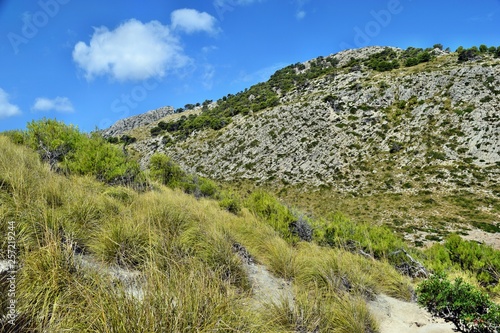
(132, 51)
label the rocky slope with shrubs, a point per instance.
(412, 136)
(128, 124)
(89, 242)
(359, 127)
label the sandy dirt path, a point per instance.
(395, 316)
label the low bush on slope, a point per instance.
(470, 310)
(68, 150)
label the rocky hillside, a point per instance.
(435, 124)
(416, 127)
(128, 124)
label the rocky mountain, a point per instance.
(125, 125)
(357, 127)
(370, 122)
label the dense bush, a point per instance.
(163, 169)
(467, 55)
(474, 52)
(483, 261)
(377, 241)
(199, 186)
(155, 131)
(280, 217)
(422, 56)
(66, 149)
(94, 156)
(230, 202)
(15, 136)
(53, 140)
(383, 61)
(124, 139)
(467, 308)
(127, 139)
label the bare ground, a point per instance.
(395, 316)
(266, 288)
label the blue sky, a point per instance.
(90, 62)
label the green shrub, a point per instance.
(15, 136)
(467, 55)
(483, 261)
(267, 207)
(199, 186)
(377, 241)
(383, 61)
(231, 203)
(66, 149)
(155, 131)
(162, 125)
(207, 187)
(479, 259)
(52, 139)
(94, 156)
(113, 140)
(164, 170)
(460, 303)
(127, 139)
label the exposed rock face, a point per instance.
(435, 125)
(124, 125)
(347, 55)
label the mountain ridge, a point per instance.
(363, 113)
(130, 123)
(417, 146)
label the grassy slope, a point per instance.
(422, 217)
(182, 247)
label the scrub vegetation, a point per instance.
(173, 238)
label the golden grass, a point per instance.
(327, 312)
(183, 249)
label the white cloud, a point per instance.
(483, 18)
(6, 108)
(191, 20)
(59, 104)
(133, 51)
